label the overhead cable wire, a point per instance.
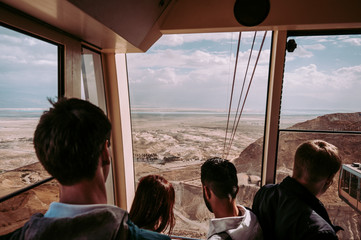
(230, 101)
(245, 98)
(244, 81)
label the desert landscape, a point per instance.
(166, 158)
(175, 146)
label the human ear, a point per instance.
(104, 160)
(329, 182)
(207, 192)
(237, 190)
(106, 156)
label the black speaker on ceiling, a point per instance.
(251, 12)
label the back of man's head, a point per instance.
(69, 139)
(220, 176)
(316, 160)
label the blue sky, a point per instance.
(194, 71)
(28, 71)
(322, 75)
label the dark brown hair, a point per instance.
(221, 176)
(316, 160)
(153, 203)
(69, 139)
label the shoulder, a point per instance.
(255, 230)
(267, 189)
(320, 227)
(249, 216)
(299, 221)
(20, 232)
(265, 195)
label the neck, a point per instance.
(314, 188)
(84, 192)
(225, 208)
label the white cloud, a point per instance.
(197, 77)
(177, 66)
(45, 62)
(300, 52)
(353, 41)
(7, 39)
(315, 47)
(179, 39)
(31, 41)
(309, 78)
(309, 88)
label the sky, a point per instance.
(28, 70)
(322, 75)
(195, 72)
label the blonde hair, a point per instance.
(316, 160)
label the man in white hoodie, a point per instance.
(220, 187)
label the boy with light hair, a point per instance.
(291, 209)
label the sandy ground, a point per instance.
(174, 147)
(16, 147)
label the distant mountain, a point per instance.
(349, 144)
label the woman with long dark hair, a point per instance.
(153, 203)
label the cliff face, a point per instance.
(250, 159)
(349, 147)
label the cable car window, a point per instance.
(359, 194)
(345, 181)
(320, 100)
(354, 186)
(92, 84)
(180, 93)
(92, 90)
(28, 76)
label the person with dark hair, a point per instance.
(72, 141)
(153, 203)
(220, 187)
(291, 209)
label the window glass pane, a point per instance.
(92, 90)
(180, 93)
(92, 84)
(322, 76)
(359, 194)
(15, 211)
(320, 100)
(28, 76)
(346, 181)
(354, 183)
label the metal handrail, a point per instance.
(182, 238)
(22, 190)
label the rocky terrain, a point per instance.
(17, 210)
(154, 156)
(185, 177)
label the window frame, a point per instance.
(66, 48)
(274, 98)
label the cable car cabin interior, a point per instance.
(150, 66)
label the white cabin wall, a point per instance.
(116, 84)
